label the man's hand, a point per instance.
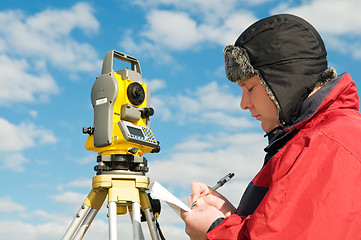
(200, 219)
(215, 199)
(207, 209)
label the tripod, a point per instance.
(125, 190)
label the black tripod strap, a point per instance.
(159, 230)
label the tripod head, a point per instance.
(121, 133)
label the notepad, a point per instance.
(161, 193)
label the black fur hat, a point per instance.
(288, 55)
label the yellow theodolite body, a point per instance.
(121, 103)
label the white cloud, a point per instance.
(69, 198)
(88, 158)
(215, 97)
(226, 121)
(193, 145)
(155, 84)
(29, 44)
(33, 113)
(144, 47)
(62, 22)
(47, 35)
(212, 104)
(210, 10)
(8, 205)
(55, 227)
(15, 138)
(177, 30)
(233, 26)
(217, 8)
(162, 108)
(52, 230)
(17, 84)
(79, 182)
(10, 229)
(13, 161)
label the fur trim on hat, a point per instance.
(328, 75)
(237, 64)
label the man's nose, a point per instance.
(246, 101)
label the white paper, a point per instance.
(159, 192)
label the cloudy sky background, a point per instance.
(50, 55)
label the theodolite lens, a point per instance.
(136, 93)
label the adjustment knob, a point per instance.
(133, 150)
(156, 149)
(147, 112)
(89, 130)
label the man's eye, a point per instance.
(250, 89)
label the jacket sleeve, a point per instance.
(313, 194)
(233, 227)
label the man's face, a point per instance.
(257, 101)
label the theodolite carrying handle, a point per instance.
(108, 61)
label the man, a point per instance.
(309, 185)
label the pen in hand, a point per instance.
(219, 184)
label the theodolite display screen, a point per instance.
(137, 134)
(135, 131)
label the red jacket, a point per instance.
(312, 185)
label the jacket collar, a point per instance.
(317, 102)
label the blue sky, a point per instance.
(52, 51)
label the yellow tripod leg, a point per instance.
(96, 198)
(89, 209)
(147, 210)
